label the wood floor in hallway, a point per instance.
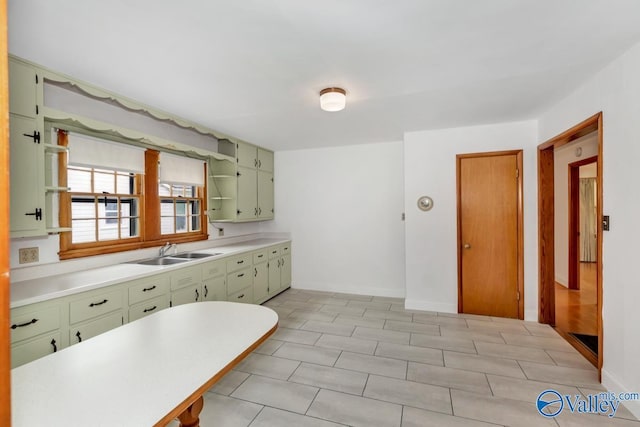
(576, 310)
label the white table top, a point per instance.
(136, 374)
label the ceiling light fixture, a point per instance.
(333, 99)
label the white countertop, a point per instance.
(138, 373)
(46, 288)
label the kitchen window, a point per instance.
(111, 204)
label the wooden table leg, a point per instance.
(190, 417)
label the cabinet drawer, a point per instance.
(260, 256)
(30, 324)
(185, 277)
(148, 288)
(215, 289)
(244, 295)
(274, 252)
(213, 269)
(31, 350)
(239, 279)
(148, 307)
(239, 262)
(286, 249)
(88, 330)
(93, 306)
(186, 295)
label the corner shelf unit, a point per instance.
(222, 188)
(51, 187)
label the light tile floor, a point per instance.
(340, 359)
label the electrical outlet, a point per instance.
(220, 232)
(28, 255)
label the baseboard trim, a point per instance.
(611, 383)
(348, 289)
(412, 304)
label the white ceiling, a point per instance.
(253, 68)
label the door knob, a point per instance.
(467, 246)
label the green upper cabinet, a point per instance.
(27, 211)
(23, 93)
(265, 160)
(247, 193)
(247, 155)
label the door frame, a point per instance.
(5, 338)
(574, 220)
(520, 223)
(546, 250)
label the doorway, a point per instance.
(570, 276)
(490, 273)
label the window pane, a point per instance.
(83, 231)
(167, 225)
(129, 227)
(83, 207)
(195, 223)
(104, 182)
(107, 230)
(164, 190)
(181, 216)
(79, 180)
(124, 184)
(189, 191)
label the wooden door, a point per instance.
(489, 219)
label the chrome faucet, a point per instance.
(166, 248)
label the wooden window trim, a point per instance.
(147, 191)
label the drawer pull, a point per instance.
(240, 296)
(55, 347)
(95, 304)
(146, 310)
(206, 291)
(241, 261)
(260, 256)
(274, 252)
(79, 336)
(255, 272)
(30, 322)
(240, 275)
(149, 289)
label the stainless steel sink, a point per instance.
(161, 261)
(194, 255)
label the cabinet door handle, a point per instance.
(37, 213)
(240, 262)
(240, 296)
(197, 295)
(35, 136)
(79, 337)
(95, 304)
(21, 325)
(241, 274)
(255, 272)
(259, 163)
(55, 347)
(278, 263)
(206, 291)
(260, 256)
(149, 289)
(255, 162)
(146, 310)
(259, 211)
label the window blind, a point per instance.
(181, 170)
(102, 154)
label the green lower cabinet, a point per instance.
(214, 289)
(27, 351)
(84, 331)
(186, 295)
(285, 271)
(274, 276)
(260, 282)
(145, 308)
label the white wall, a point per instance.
(614, 91)
(343, 208)
(431, 237)
(561, 159)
